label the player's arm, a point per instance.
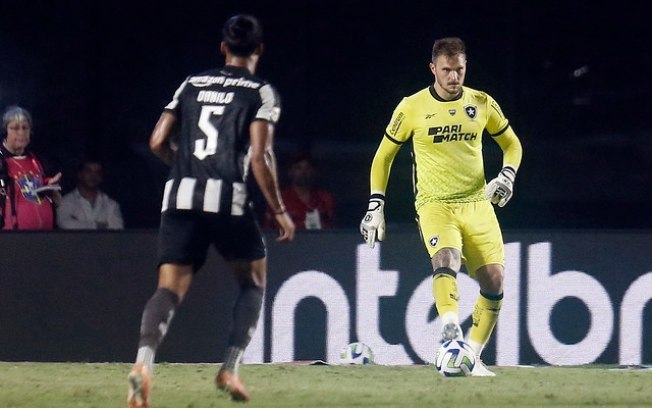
(381, 165)
(159, 141)
(397, 132)
(270, 156)
(372, 226)
(499, 190)
(265, 174)
(511, 147)
(273, 99)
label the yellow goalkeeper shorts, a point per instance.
(471, 228)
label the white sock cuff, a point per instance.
(450, 317)
(145, 356)
(477, 347)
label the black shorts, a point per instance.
(184, 237)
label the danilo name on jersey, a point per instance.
(215, 97)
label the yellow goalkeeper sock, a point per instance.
(485, 315)
(444, 289)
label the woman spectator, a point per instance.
(27, 196)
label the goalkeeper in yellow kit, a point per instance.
(445, 123)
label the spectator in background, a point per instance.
(88, 207)
(27, 196)
(309, 206)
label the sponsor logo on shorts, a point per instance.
(434, 241)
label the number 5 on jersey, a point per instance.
(205, 148)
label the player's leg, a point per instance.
(487, 306)
(244, 251)
(174, 281)
(486, 312)
(446, 263)
(442, 238)
(182, 250)
(485, 255)
(251, 278)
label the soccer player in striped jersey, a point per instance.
(445, 123)
(218, 126)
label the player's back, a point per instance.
(214, 110)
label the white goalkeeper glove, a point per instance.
(499, 190)
(372, 226)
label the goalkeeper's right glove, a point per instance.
(372, 226)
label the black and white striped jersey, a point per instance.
(214, 110)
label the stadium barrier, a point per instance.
(571, 297)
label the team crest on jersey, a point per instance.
(28, 183)
(434, 241)
(452, 112)
(471, 111)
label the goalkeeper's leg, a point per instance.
(446, 262)
(485, 312)
(487, 306)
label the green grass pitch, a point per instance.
(59, 385)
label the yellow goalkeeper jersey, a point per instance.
(447, 142)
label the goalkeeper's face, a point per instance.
(449, 74)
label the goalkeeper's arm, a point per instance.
(500, 189)
(372, 226)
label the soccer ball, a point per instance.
(356, 353)
(455, 358)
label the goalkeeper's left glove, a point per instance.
(372, 226)
(499, 190)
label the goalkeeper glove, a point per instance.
(372, 226)
(499, 190)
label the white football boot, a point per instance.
(451, 331)
(481, 370)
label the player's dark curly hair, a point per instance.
(449, 46)
(242, 33)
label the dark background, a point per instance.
(574, 78)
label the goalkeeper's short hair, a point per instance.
(449, 46)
